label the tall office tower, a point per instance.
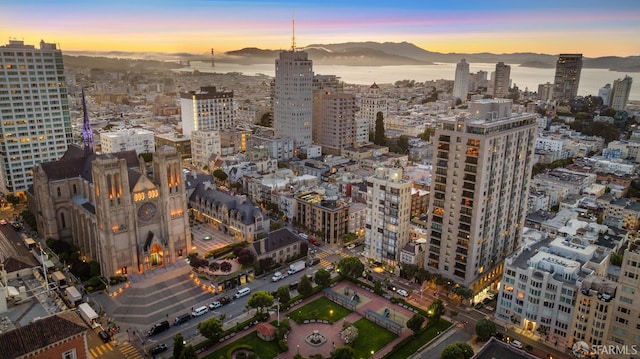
(293, 97)
(545, 92)
(372, 102)
(620, 93)
(567, 78)
(388, 216)
(461, 82)
(206, 109)
(36, 125)
(501, 80)
(334, 121)
(483, 163)
(605, 94)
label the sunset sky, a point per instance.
(593, 28)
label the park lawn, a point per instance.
(371, 337)
(319, 309)
(412, 346)
(265, 350)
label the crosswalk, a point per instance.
(130, 352)
(324, 262)
(101, 349)
(127, 350)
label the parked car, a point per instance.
(486, 300)
(479, 305)
(104, 336)
(225, 300)
(351, 246)
(312, 261)
(215, 305)
(157, 349)
(158, 328)
(182, 319)
(402, 292)
(516, 344)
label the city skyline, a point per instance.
(197, 26)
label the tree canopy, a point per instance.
(351, 267)
(485, 329)
(211, 329)
(260, 300)
(322, 278)
(415, 323)
(459, 350)
(304, 287)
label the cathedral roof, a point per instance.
(74, 163)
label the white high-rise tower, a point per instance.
(293, 96)
(620, 93)
(36, 125)
(461, 83)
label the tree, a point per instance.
(415, 323)
(344, 352)
(260, 300)
(284, 295)
(147, 157)
(349, 334)
(436, 309)
(245, 256)
(13, 199)
(220, 175)
(266, 120)
(350, 267)
(403, 143)
(304, 287)
(459, 350)
(428, 132)
(616, 259)
(485, 329)
(378, 136)
(322, 278)
(226, 266)
(453, 313)
(211, 329)
(178, 345)
(189, 352)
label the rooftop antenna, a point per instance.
(213, 64)
(293, 31)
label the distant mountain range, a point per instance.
(382, 54)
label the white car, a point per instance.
(402, 292)
(516, 344)
(351, 246)
(215, 305)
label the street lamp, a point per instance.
(298, 348)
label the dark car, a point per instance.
(224, 300)
(486, 300)
(182, 319)
(312, 261)
(158, 328)
(157, 349)
(104, 336)
(478, 305)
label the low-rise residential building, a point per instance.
(625, 210)
(181, 143)
(280, 148)
(135, 139)
(280, 246)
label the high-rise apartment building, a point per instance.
(620, 93)
(461, 81)
(372, 102)
(545, 92)
(36, 125)
(388, 216)
(206, 109)
(605, 94)
(293, 97)
(501, 80)
(483, 163)
(334, 122)
(567, 78)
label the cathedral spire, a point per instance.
(87, 133)
(293, 32)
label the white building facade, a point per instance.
(206, 109)
(461, 82)
(135, 139)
